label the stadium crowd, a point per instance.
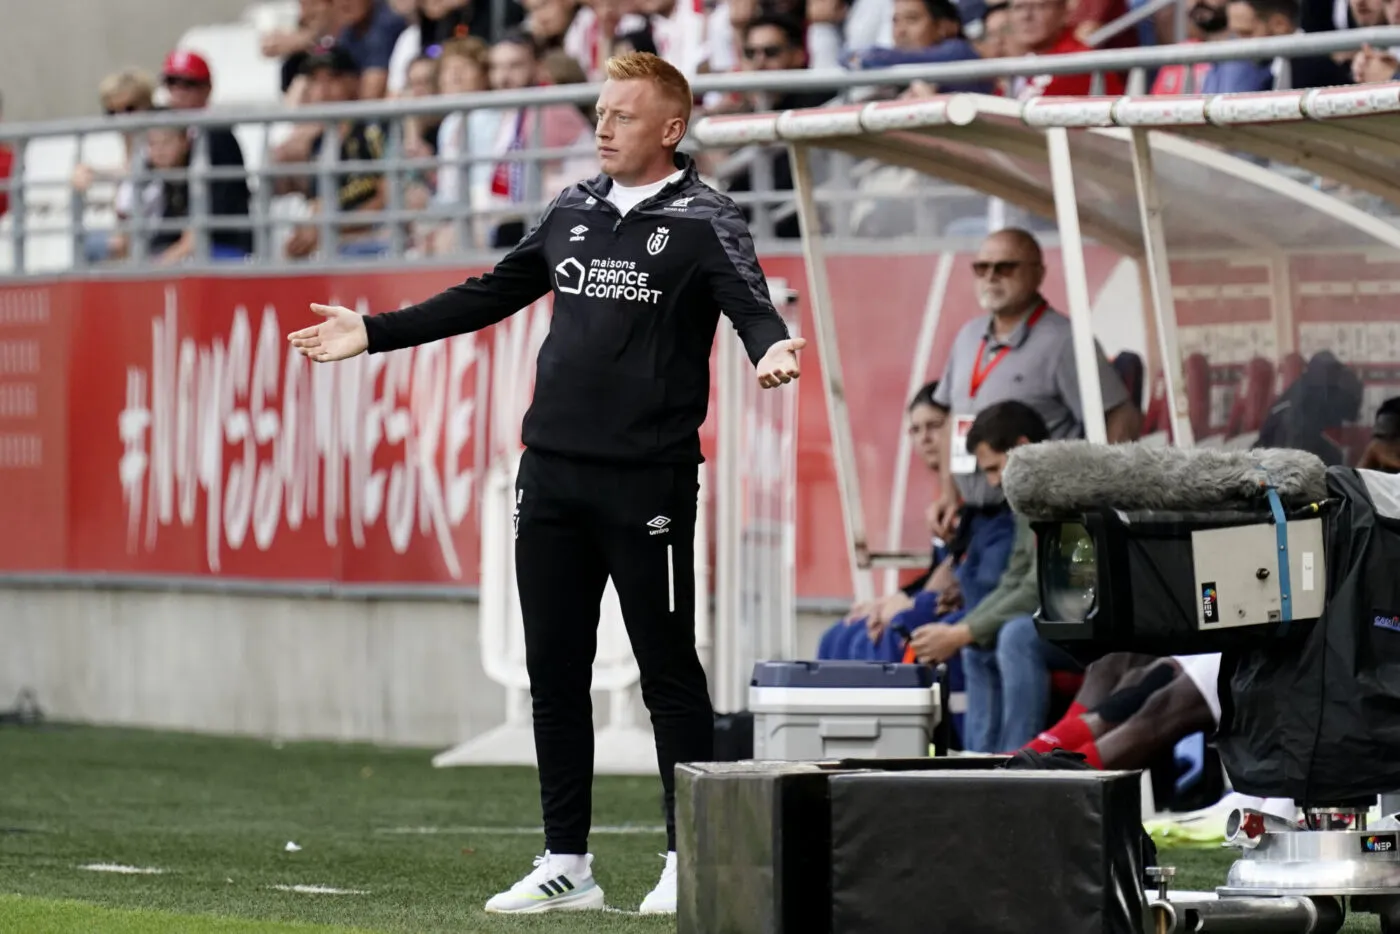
(344, 50)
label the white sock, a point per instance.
(574, 864)
(671, 859)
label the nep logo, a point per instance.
(1387, 622)
(1378, 843)
(1210, 602)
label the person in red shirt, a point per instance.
(1042, 27)
(7, 164)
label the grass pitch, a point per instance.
(130, 832)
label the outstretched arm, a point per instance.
(731, 268)
(517, 280)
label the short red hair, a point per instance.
(644, 66)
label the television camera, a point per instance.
(1291, 571)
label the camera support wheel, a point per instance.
(1292, 879)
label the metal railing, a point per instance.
(27, 227)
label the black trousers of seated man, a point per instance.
(577, 523)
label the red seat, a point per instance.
(1252, 401)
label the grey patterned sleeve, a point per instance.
(739, 285)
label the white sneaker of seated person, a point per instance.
(559, 882)
(662, 899)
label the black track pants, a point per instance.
(577, 523)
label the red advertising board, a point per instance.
(166, 428)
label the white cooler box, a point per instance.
(842, 710)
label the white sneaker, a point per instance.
(558, 883)
(662, 899)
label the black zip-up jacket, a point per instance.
(624, 374)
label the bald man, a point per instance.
(640, 260)
(1021, 350)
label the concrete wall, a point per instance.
(53, 53)
(393, 672)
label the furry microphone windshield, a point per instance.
(1056, 478)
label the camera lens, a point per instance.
(1072, 575)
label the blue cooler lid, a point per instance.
(840, 674)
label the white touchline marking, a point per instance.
(616, 830)
(621, 911)
(124, 870)
(318, 890)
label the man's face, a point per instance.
(549, 19)
(915, 29)
(926, 424)
(327, 86)
(1209, 17)
(1037, 23)
(1368, 12)
(635, 120)
(186, 94)
(1246, 24)
(1009, 274)
(512, 67)
(1392, 12)
(996, 35)
(992, 463)
(766, 48)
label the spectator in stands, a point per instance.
(420, 141)
(1205, 22)
(677, 28)
(431, 23)
(315, 27)
(368, 31)
(130, 90)
(930, 31)
(7, 166)
(189, 83)
(866, 632)
(562, 25)
(826, 32)
(334, 76)
(1021, 350)
(1005, 662)
(1261, 19)
(1042, 27)
(169, 149)
(774, 43)
(463, 68)
(1383, 453)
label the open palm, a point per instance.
(340, 336)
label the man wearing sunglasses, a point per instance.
(1021, 350)
(775, 42)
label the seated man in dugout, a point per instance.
(879, 630)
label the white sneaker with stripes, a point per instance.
(559, 882)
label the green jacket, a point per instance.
(1017, 593)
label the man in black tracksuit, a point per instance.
(608, 482)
